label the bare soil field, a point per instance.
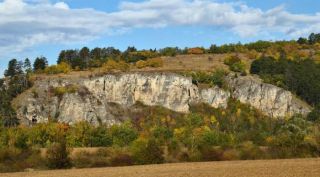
(258, 168)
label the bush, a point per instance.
(85, 159)
(212, 154)
(111, 65)
(58, 156)
(154, 63)
(14, 160)
(141, 64)
(210, 78)
(235, 64)
(147, 152)
(121, 158)
(230, 154)
(314, 116)
(248, 150)
(60, 68)
(60, 91)
(124, 134)
(196, 50)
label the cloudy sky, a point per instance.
(29, 28)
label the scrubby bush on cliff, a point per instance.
(211, 78)
(60, 91)
(235, 64)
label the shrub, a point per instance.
(60, 91)
(210, 78)
(60, 68)
(14, 160)
(100, 137)
(230, 154)
(314, 116)
(147, 152)
(141, 64)
(111, 65)
(250, 151)
(235, 64)
(153, 62)
(124, 134)
(88, 160)
(196, 50)
(121, 159)
(217, 77)
(212, 154)
(58, 155)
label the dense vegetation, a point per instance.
(300, 76)
(158, 135)
(16, 81)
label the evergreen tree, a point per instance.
(14, 68)
(40, 63)
(27, 65)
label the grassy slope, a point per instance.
(259, 168)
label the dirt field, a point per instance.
(267, 168)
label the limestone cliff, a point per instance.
(106, 99)
(271, 100)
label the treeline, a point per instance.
(158, 135)
(86, 58)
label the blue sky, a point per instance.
(30, 28)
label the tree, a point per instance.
(27, 65)
(314, 38)
(302, 40)
(147, 151)
(58, 155)
(40, 63)
(96, 53)
(14, 68)
(84, 55)
(314, 116)
(123, 134)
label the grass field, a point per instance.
(259, 168)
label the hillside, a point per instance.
(233, 102)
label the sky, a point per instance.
(31, 28)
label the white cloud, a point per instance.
(26, 23)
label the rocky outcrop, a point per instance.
(271, 100)
(105, 99)
(108, 99)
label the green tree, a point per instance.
(123, 134)
(147, 151)
(14, 68)
(27, 66)
(40, 63)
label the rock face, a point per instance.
(271, 100)
(108, 98)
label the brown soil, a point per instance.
(259, 168)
